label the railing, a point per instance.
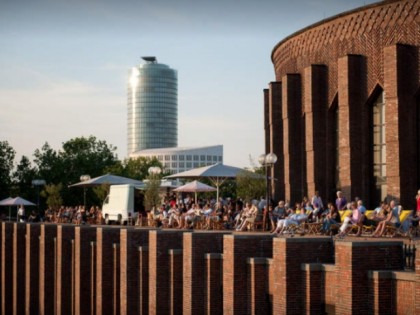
(409, 256)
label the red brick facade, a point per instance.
(320, 123)
(177, 272)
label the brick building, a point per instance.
(344, 111)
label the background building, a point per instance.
(344, 112)
(152, 120)
(177, 160)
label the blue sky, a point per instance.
(64, 67)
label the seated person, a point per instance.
(354, 218)
(392, 219)
(293, 219)
(248, 218)
(332, 217)
(278, 213)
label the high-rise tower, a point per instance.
(152, 107)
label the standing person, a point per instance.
(341, 201)
(21, 214)
(317, 205)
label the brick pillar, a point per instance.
(65, 236)
(130, 240)
(236, 249)
(289, 279)
(105, 238)
(195, 246)
(314, 288)
(83, 236)
(352, 125)
(175, 278)
(213, 284)
(7, 268)
(381, 293)
(275, 113)
(267, 130)
(160, 242)
(401, 84)
(116, 305)
(19, 231)
(417, 284)
(32, 268)
(93, 277)
(143, 280)
(293, 139)
(315, 108)
(258, 301)
(352, 269)
(46, 268)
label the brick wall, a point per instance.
(346, 61)
(80, 271)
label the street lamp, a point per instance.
(84, 178)
(37, 183)
(154, 170)
(267, 161)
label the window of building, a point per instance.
(379, 148)
(214, 158)
(208, 157)
(202, 157)
(189, 165)
(167, 164)
(167, 157)
(174, 164)
(182, 157)
(220, 159)
(160, 157)
(195, 157)
(174, 157)
(189, 158)
(196, 164)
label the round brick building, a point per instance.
(344, 111)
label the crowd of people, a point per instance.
(339, 217)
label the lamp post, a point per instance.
(154, 170)
(267, 160)
(37, 183)
(84, 178)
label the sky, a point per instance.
(64, 67)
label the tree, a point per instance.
(138, 168)
(7, 156)
(22, 179)
(53, 195)
(250, 186)
(151, 195)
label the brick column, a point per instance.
(381, 293)
(93, 277)
(7, 268)
(105, 238)
(213, 284)
(116, 294)
(32, 268)
(293, 145)
(65, 236)
(288, 256)
(258, 301)
(46, 268)
(401, 84)
(130, 240)
(143, 280)
(352, 125)
(160, 242)
(83, 236)
(275, 122)
(19, 231)
(175, 278)
(315, 108)
(236, 249)
(352, 267)
(314, 288)
(195, 246)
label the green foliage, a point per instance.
(53, 195)
(7, 155)
(22, 180)
(250, 186)
(151, 194)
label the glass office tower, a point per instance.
(152, 107)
